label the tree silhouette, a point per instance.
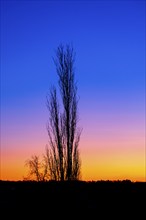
(37, 169)
(64, 136)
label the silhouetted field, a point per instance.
(76, 199)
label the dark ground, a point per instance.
(73, 200)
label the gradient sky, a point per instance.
(109, 40)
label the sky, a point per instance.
(109, 41)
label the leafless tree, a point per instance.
(61, 160)
(37, 169)
(63, 153)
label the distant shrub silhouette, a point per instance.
(38, 170)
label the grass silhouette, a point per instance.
(81, 199)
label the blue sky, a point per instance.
(109, 41)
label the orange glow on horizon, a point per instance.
(106, 163)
